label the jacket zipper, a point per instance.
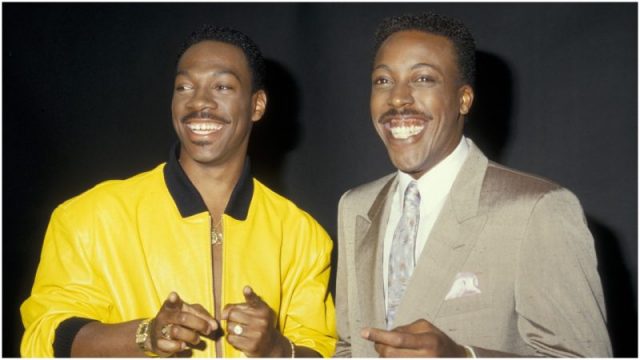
(216, 260)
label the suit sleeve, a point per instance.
(343, 348)
(559, 298)
(65, 286)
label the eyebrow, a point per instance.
(418, 65)
(213, 73)
(381, 66)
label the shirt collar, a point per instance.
(188, 199)
(437, 182)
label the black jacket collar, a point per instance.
(188, 199)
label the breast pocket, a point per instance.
(469, 291)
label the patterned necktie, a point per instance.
(401, 257)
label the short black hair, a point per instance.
(437, 24)
(236, 38)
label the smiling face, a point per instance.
(418, 101)
(213, 106)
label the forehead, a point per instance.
(214, 55)
(411, 47)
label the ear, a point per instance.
(259, 105)
(465, 95)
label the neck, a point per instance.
(215, 183)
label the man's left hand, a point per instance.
(418, 339)
(251, 328)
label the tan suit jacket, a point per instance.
(522, 240)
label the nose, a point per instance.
(400, 96)
(202, 99)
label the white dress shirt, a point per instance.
(434, 187)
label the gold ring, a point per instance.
(238, 330)
(166, 331)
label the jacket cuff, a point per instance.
(65, 333)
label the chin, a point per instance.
(409, 164)
(202, 155)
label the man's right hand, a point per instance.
(178, 325)
(418, 339)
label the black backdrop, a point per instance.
(87, 87)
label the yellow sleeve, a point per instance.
(65, 285)
(309, 317)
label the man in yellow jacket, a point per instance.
(192, 258)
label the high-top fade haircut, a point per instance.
(235, 38)
(436, 24)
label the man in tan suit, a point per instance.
(454, 255)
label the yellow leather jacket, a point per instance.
(114, 253)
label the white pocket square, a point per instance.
(464, 284)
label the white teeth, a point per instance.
(404, 132)
(204, 128)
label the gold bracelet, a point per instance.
(468, 351)
(293, 348)
(142, 334)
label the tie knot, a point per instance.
(412, 196)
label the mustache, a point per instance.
(204, 115)
(392, 113)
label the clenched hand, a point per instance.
(418, 339)
(178, 324)
(251, 328)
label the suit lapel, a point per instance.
(453, 236)
(368, 252)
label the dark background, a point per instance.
(87, 89)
